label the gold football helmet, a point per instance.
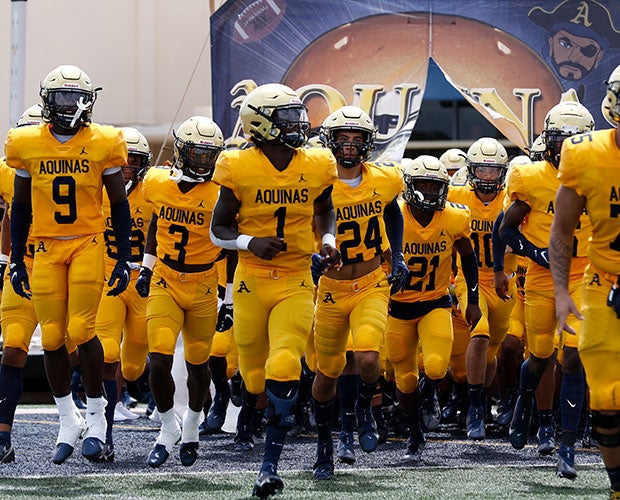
(274, 113)
(139, 153)
(349, 118)
(68, 97)
(610, 106)
(453, 159)
(32, 116)
(563, 120)
(426, 183)
(197, 143)
(487, 163)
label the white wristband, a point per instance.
(149, 261)
(228, 297)
(328, 239)
(243, 240)
(4, 258)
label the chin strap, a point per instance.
(177, 175)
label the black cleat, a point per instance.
(565, 466)
(7, 453)
(92, 448)
(243, 442)
(546, 441)
(415, 447)
(106, 455)
(344, 451)
(367, 434)
(520, 424)
(188, 453)
(63, 451)
(268, 483)
(323, 469)
(475, 423)
(158, 455)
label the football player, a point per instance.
(422, 315)
(525, 228)
(61, 167)
(588, 173)
(487, 163)
(19, 319)
(123, 317)
(354, 298)
(179, 261)
(269, 196)
(453, 159)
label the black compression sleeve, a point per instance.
(21, 215)
(121, 225)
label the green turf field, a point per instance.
(424, 482)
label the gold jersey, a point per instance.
(140, 211)
(360, 228)
(274, 203)
(537, 184)
(428, 251)
(590, 165)
(482, 220)
(7, 176)
(183, 219)
(67, 182)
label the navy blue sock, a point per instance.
(275, 435)
(11, 387)
(475, 395)
(5, 438)
(614, 478)
(545, 418)
(323, 417)
(111, 388)
(571, 401)
(529, 381)
(365, 393)
(347, 395)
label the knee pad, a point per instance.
(606, 422)
(111, 350)
(282, 398)
(436, 367)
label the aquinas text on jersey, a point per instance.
(173, 214)
(482, 226)
(426, 248)
(64, 166)
(613, 196)
(359, 210)
(281, 196)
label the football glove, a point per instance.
(319, 264)
(120, 276)
(613, 299)
(400, 274)
(19, 279)
(224, 318)
(143, 283)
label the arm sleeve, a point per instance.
(499, 247)
(394, 222)
(469, 263)
(21, 214)
(121, 225)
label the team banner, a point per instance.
(511, 60)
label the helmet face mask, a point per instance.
(350, 135)
(197, 145)
(274, 114)
(487, 164)
(138, 157)
(68, 97)
(426, 183)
